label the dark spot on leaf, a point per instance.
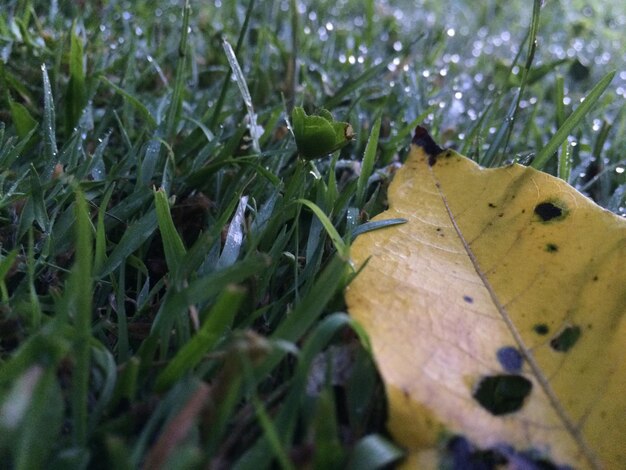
(523, 211)
(548, 211)
(510, 358)
(566, 339)
(468, 299)
(541, 329)
(501, 214)
(491, 204)
(422, 138)
(463, 455)
(438, 229)
(595, 278)
(502, 394)
(552, 248)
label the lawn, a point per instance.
(172, 270)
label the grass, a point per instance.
(170, 295)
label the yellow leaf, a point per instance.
(497, 311)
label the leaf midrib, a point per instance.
(571, 427)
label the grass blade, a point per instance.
(100, 248)
(176, 101)
(133, 101)
(76, 90)
(355, 84)
(6, 263)
(376, 225)
(340, 245)
(80, 294)
(234, 237)
(255, 130)
(572, 121)
(217, 323)
(530, 56)
(24, 122)
(50, 150)
(270, 432)
(564, 169)
(559, 106)
(133, 238)
(373, 452)
(172, 243)
(217, 110)
(367, 166)
(41, 396)
(313, 303)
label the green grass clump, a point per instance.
(171, 272)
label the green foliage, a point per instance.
(158, 231)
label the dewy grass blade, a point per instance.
(176, 102)
(255, 130)
(572, 121)
(76, 91)
(234, 237)
(530, 56)
(49, 127)
(564, 168)
(242, 34)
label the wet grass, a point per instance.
(172, 271)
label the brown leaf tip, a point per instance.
(422, 138)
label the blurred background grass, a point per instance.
(101, 101)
